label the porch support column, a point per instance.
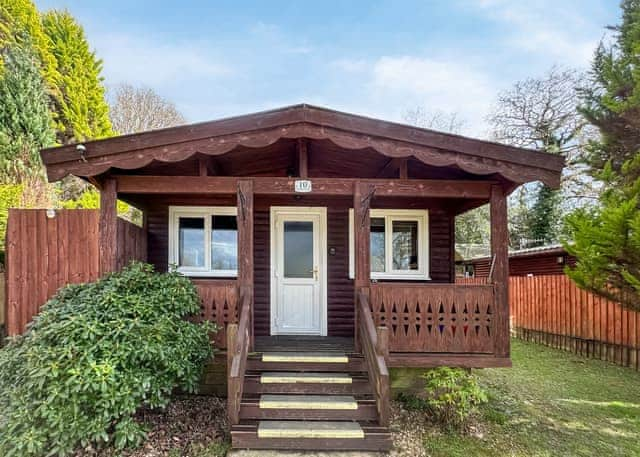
(245, 245)
(108, 226)
(500, 256)
(362, 195)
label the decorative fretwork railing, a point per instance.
(219, 304)
(444, 318)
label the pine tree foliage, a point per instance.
(611, 101)
(25, 120)
(20, 20)
(82, 110)
(606, 240)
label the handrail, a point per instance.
(375, 347)
(238, 340)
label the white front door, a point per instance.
(298, 271)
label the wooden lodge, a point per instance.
(323, 242)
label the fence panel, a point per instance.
(552, 310)
(132, 243)
(44, 253)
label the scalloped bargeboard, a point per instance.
(261, 130)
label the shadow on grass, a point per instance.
(552, 403)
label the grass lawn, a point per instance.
(552, 403)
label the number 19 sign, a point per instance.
(302, 185)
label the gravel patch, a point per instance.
(408, 431)
(191, 425)
(196, 426)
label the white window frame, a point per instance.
(389, 215)
(206, 212)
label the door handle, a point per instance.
(315, 273)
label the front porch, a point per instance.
(305, 221)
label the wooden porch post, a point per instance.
(245, 245)
(362, 195)
(499, 252)
(108, 226)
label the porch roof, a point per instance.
(263, 129)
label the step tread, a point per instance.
(275, 401)
(291, 377)
(305, 357)
(310, 429)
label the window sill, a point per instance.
(209, 274)
(393, 277)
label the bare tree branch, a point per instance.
(138, 109)
(435, 120)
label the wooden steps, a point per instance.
(245, 436)
(308, 401)
(309, 429)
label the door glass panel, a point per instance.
(405, 245)
(224, 243)
(298, 249)
(377, 244)
(191, 242)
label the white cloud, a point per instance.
(446, 85)
(545, 27)
(139, 60)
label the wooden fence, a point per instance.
(471, 281)
(45, 253)
(552, 310)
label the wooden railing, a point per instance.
(238, 342)
(375, 347)
(441, 318)
(218, 304)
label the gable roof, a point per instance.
(261, 129)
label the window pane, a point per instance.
(224, 243)
(377, 244)
(191, 242)
(298, 249)
(405, 245)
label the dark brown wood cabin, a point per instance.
(308, 228)
(542, 260)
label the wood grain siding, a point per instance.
(340, 309)
(262, 272)
(340, 306)
(440, 246)
(543, 263)
(158, 236)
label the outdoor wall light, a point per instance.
(82, 149)
(51, 213)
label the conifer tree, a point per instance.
(25, 120)
(19, 20)
(82, 109)
(606, 240)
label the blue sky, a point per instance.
(216, 59)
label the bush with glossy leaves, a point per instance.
(96, 354)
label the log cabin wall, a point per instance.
(340, 306)
(542, 263)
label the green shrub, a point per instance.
(452, 396)
(97, 353)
